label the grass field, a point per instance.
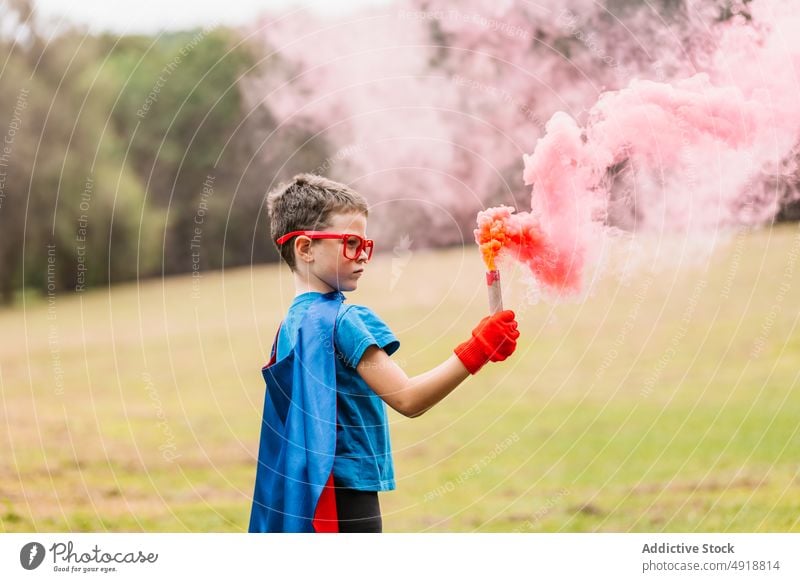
(667, 403)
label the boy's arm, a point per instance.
(409, 396)
(494, 339)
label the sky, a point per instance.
(147, 16)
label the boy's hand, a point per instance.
(494, 339)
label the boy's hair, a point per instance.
(306, 203)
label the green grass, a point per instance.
(669, 403)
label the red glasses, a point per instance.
(352, 248)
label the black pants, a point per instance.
(358, 511)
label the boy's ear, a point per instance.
(303, 249)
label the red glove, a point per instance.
(494, 339)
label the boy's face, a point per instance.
(330, 268)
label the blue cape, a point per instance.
(294, 480)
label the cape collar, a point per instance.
(314, 295)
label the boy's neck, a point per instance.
(310, 284)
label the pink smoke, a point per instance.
(659, 130)
(436, 103)
(648, 122)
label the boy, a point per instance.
(324, 452)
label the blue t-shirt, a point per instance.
(363, 450)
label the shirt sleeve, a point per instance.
(357, 328)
